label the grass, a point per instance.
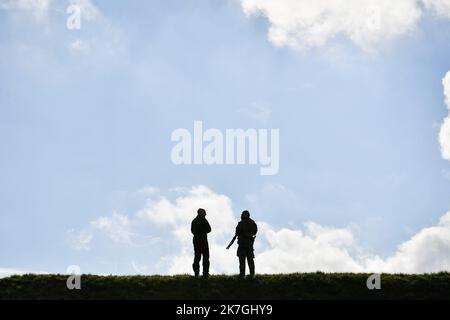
(287, 286)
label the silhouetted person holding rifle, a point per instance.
(245, 233)
(200, 228)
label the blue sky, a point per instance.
(86, 117)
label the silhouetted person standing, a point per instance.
(200, 228)
(246, 232)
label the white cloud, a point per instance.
(177, 216)
(444, 138)
(295, 250)
(180, 212)
(426, 251)
(79, 240)
(310, 248)
(303, 24)
(317, 248)
(440, 7)
(7, 272)
(104, 39)
(38, 8)
(87, 9)
(444, 134)
(117, 227)
(334, 250)
(300, 24)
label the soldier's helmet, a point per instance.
(201, 212)
(245, 214)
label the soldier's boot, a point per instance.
(196, 268)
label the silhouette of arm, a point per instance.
(238, 229)
(193, 229)
(251, 230)
(207, 227)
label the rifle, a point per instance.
(232, 241)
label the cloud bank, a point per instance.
(7, 272)
(439, 7)
(444, 133)
(40, 8)
(311, 248)
(300, 24)
(37, 8)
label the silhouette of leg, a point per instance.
(242, 265)
(206, 261)
(251, 265)
(196, 264)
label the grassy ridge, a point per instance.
(289, 286)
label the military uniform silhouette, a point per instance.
(246, 231)
(200, 228)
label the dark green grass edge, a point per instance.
(296, 286)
